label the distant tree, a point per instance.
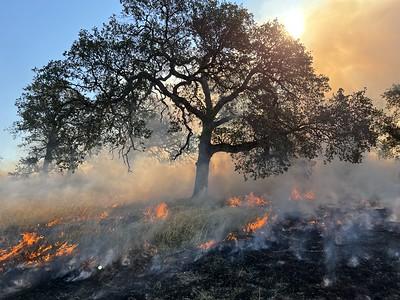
(230, 84)
(390, 126)
(50, 124)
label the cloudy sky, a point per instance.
(355, 42)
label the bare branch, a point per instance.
(226, 99)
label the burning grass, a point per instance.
(151, 239)
(107, 234)
(256, 224)
(34, 250)
(298, 195)
(295, 257)
(28, 239)
(157, 212)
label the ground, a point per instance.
(337, 255)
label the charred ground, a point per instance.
(349, 253)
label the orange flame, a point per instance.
(34, 253)
(42, 254)
(231, 237)
(256, 224)
(65, 249)
(250, 200)
(53, 223)
(104, 215)
(234, 202)
(296, 195)
(158, 212)
(207, 245)
(255, 201)
(161, 211)
(28, 239)
(310, 196)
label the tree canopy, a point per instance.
(53, 127)
(226, 82)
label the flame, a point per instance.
(158, 212)
(42, 254)
(104, 215)
(161, 211)
(65, 249)
(234, 202)
(256, 224)
(34, 253)
(28, 239)
(207, 245)
(53, 223)
(231, 237)
(255, 201)
(296, 195)
(310, 196)
(250, 200)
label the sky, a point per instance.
(355, 42)
(31, 34)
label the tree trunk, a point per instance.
(49, 154)
(203, 164)
(46, 164)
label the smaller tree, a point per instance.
(50, 110)
(389, 127)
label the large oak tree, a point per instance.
(230, 84)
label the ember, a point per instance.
(231, 237)
(104, 215)
(208, 245)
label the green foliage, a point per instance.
(51, 122)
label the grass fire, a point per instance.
(200, 149)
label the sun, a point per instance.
(294, 23)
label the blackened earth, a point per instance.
(296, 259)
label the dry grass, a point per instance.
(125, 227)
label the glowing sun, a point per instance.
(294, 23)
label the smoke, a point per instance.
(356, 43)
(101, 209)
(104, 182)
(99, 183)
